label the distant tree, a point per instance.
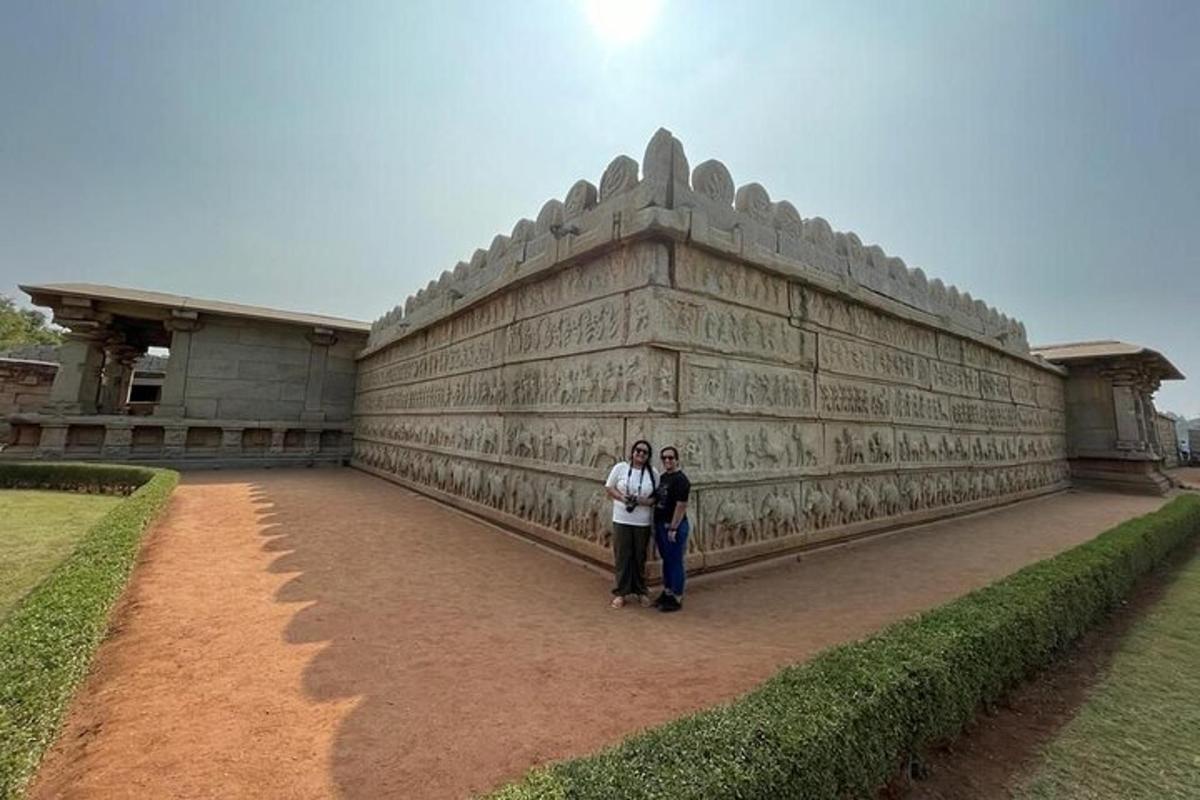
(24, 326)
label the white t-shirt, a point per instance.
(631, 480)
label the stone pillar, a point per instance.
(277, 437)
(53, 443)
(182, 325)
(77, 382)
(231, 442)
(118, 373)
(174, 441)
(312, 441)
(322, 339)
(118, 440)
(1126, 413)
(1146, 390)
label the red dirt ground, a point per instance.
(327, 634)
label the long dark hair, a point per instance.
(648, 468)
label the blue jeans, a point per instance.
(672, 555)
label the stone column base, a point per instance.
(1116, 475)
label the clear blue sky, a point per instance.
(334, 157)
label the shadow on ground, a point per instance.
(473, 655)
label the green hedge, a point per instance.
(74, 477)
(47, 641)
(844, 723)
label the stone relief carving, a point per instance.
(664, 317)
(748, 515)
(822, 308)
(747, 213)
(810, 409)
(862, 359)
(618, 271)
(591, 326)
(994, 387)
(722, 450)
(637, 379)
(474, 434)
(953, 379)
(711, 275)
(840, 398)
(852, 447)
(478, 390)
(591, 443)
(918, 405)
(744, 387)
(1021, 391)
(467, 356)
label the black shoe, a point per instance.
(670, 603)
(658, 601)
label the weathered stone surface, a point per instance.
(816, 387)
(737, 386)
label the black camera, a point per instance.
(630, 502)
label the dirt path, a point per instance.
(324, 633)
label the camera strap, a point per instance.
(641, 479)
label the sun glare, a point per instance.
(621, 21)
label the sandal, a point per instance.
(617, 602)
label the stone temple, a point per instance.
(816, 388)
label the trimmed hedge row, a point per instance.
(47, 641)
(844, 723)
(74, 477)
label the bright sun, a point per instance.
(621, 21)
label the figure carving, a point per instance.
(845, 503)
(818, 507)
(734, 523)
(779, 514)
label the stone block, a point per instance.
(272, 371)
(202, 408)
(249, 409)
(211, 367)
(288, 338)
(216, 388)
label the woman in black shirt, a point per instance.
(671, 528)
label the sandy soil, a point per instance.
(1188, 476)
(325, 633)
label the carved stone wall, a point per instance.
(24, 386)
(813, 394)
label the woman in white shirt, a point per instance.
(631, 485)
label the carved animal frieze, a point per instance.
(729, 281)
(744, 387)
(714, 450)
(858, 358)
(591, 326)
(828, 311)
(662, 316)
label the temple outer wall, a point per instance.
(243, 385)
(248, 369)
(802, 415)
(24, 386)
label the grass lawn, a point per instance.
(37, 530)
(1138, 735)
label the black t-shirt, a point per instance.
(673, 487)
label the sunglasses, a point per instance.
(668, 458)
(641, 451)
